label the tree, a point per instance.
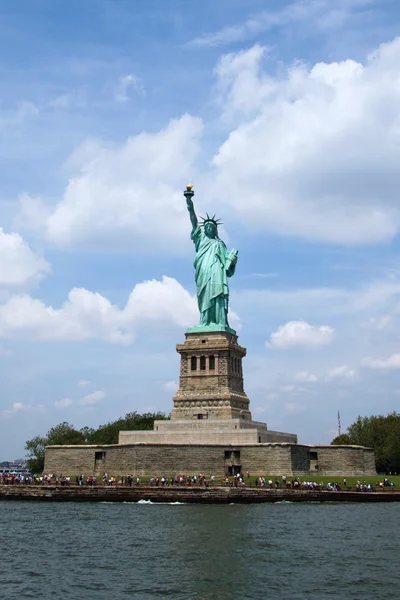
(86, 432)
(35, 448)
(60, 435)
(341, 440)
(382, 433)
(64, 434)
(108, 433)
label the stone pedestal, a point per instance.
(210, 406)
(211, 378)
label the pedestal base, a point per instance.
(211, 378)
(209, 328)
(207, 432)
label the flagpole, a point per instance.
(338, 421)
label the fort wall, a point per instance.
(173, 459)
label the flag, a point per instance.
(338, 421)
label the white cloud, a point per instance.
(19, 407)
(290, 137)
(170, 386)
(70, 100)
(88, 315)
(18, 264)
(315, 150)
(32, 213)
(381, 296)
(126, 84)
(64, 403)
(83, 383)
(162, 301)
(382, 364)
(127, 195)
(259, 410)
(88, 400)
(379, 322)
(300, 333)
(14, 119)
(293, 408)
(289, 387)
(305, 377)
(322, 14)
(85, 315)
(93, 398)
(341, 372)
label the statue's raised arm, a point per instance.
(189, 193)
(213, 265)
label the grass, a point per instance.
(350, 481)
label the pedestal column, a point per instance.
(211, 378)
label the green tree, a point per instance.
(86, 432)
(60, 435)
(108, 433)
(382, 433)
(341, 440)
(64, 434)
(35, 448)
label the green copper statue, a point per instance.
(213, 264)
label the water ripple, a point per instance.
(112, 551)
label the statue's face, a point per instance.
(210, 229)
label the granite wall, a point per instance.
(172, 459)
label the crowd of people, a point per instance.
(202, 479)
(19, 478)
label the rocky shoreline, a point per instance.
(192, 494)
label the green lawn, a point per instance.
(351, 481)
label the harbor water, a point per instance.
(107, 551)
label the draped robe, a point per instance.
(213, 264)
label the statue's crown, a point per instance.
(209, 219)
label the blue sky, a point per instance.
(285, 116)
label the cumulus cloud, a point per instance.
(129, 194)
(89, 315)
(159, 301)
(382, 364)
(88, 400)
(83, 383)
(301, 333)
(64, 403)
(379, 322)
(293, 408)
(272, 396)
(32, 212)
(170, 386)
(289, 387)
(305, 377)
(341, 372)
(19, 407)
(314, 150)
(93, 398)
(14, 119)
(18, 264)
(322, 15)
(125, 85)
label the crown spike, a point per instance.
(209, 219)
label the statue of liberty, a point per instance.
(213, 264)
